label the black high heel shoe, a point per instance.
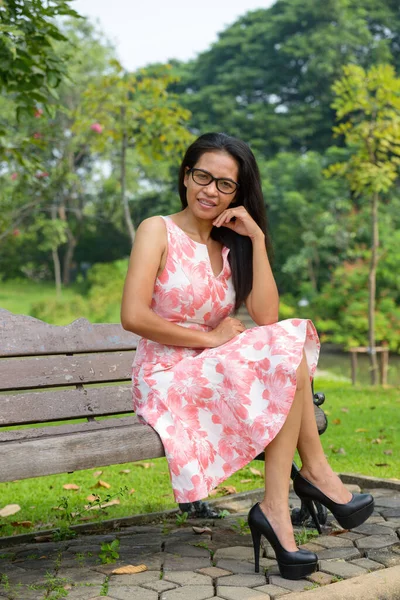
(349, 515)
(292, 565)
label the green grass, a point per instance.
(374, 410)
(18, 296)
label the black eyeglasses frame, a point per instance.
(216, 179)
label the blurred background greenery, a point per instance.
(88, 150)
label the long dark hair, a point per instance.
(249, 195)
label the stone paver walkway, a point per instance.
(184, 565)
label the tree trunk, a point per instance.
(124, 199)
(57, 271)
(56, 258)
(372, 290)
(71, 245)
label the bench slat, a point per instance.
(32, 433)
(25, 336)
(52, 371)
(78, 450)
(36, 407)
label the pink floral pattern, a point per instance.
(214, 409)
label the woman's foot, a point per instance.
(329, 483)
(279, 519)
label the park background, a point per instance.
(89, 148)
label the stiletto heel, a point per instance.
(292, 565)
(256, 535)
(311, 509)
(349, 515)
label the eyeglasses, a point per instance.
(225, 186)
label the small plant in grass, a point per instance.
(4, 582)
(54, 587)
(241, 526)
(305, 535)
(181, 519)
(224, 513)
(64, 533)
(104, 588)
(109, 552)
(205, 546)
(336, 579)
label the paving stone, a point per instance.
(84, 592)
(376, 541)
(188, 578)
(186, 550)
(141, 539)
(189, 592)
(341, 568)
(339, 553)
(81, 576)
(350, 535)
(321, 578)
(312, 547)
(392, 502)
(298, 585)
(391, 513)
(240, 593)
(235, 552)
(24, 593)
(214, 572)
(132, 592)
(273, 591)
(160, 586)
(134, 578)
(177, 563)
(237, 566)
(225, 538)
(332, 541)
(17, 575)
(373, 529)
(246, 580)
(389, 557)
(368, 564)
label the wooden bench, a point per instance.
(58, 373)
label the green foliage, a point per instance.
(182, 518)
(105, 282)
(341, 310)
(305, 535)
(268, 77)
(29, 66)
(109, 552)
(369, 101)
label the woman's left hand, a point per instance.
(243, 224)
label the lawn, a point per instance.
(362, 437)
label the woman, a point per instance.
(218, 394)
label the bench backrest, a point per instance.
(55, 373)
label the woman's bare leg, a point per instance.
(278, 463)
(315, 466)
(300, 429)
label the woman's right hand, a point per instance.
(225, 331)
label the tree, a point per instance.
(31, 68)
(268, 77)
(370, 104)
(136, 113)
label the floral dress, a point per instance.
(214, 409)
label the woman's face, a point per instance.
(207, 201)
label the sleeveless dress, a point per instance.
(214, 409)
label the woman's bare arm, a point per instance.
(136, 315)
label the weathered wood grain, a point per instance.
(78, 450)
(52, 431)
(57, 405)
(52, 371)
(21, 335)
